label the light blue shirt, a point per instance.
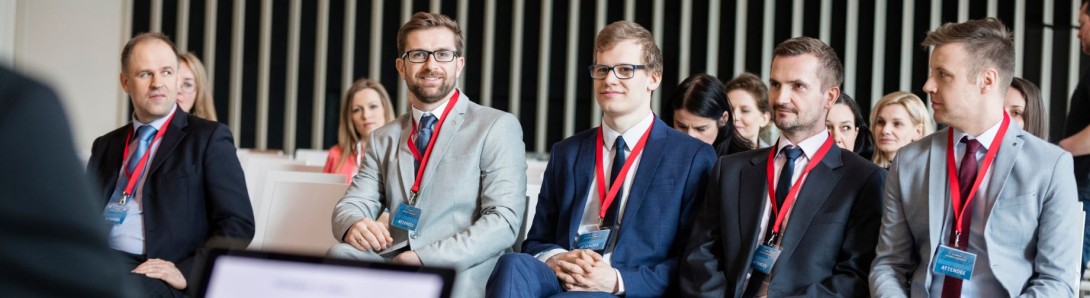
(128, 236)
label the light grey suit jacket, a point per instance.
(1031, 236)
(472, 198)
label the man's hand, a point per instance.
(162, 270)
(407, 258)
(368, 235)
(601, 278)
(566, 264)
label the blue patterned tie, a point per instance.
(423, 134)
(144, 134)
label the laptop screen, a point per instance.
(264, 274)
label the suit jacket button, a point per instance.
(412, 234)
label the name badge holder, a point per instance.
(765, 256)
(950, 260)
(407, 216)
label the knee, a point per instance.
(342, 250)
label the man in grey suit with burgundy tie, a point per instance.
(452, 173)
(982, 208)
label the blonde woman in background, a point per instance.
(365, 107)
(194, 96)
(899, 118)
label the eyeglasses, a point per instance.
(421, 56)
(622, 71)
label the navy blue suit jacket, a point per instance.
(669, 182)
(194, 189)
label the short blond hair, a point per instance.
(987, 42)
(917, 111)
(619, 31)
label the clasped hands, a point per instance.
(370, 235)
(583, 270)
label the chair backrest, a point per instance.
(274, 179)
(257, 168)
(299, 217)
(535, 171)
(311, 157)
(532, 191)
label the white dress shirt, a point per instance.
(983, 282)
(589, 221)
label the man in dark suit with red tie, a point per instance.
(799, 218)
(169, 181)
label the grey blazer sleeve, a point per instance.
(502, 201)
(364, 197)
(1056, 265)
(893, 263)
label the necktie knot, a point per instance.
(145, 133)
(427, 121)
(971, 145)
(792, 153)
(619, 144)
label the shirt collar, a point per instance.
(810, 146)
(631, 136)
(984, 138)
(157, 123)
(437, 111)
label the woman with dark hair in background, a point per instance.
(850, 131)
(1025, 106)
(701, 110)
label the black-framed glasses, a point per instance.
(622, 71)
(421, 56)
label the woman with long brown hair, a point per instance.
(365, 107)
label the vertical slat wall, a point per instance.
(531, 54)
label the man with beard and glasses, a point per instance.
(452, 173)
(799, 218)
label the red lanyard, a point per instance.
(614, 187)
(793, 193)
(140, 164)
(423, 158)
(952, 172)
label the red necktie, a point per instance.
(951, 286)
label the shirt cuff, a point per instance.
(545, 255)
(620, 283)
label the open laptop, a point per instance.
(242, 273)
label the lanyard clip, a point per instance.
(957, 238)
(413, 196)
(124, 197)
(772, 239)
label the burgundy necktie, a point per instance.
(951, 286)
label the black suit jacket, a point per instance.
(194, 189)
(830, 238)
(52, 234)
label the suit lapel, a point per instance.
(645, 172)
(752, 199)
(174, 134)
(1004, 162)
(937, 190)
(405, 157)
(584, 173)
(450, 128)
(816, 188)
(111, 165)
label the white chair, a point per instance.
(259, 167)
(311, 157)
(274, 179)
(299, 217)
(532, 191)
(535, 171)
(244, 155)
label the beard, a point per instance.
(425, 95)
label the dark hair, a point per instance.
(864, 142)
(1034, 115)
(141, 38)
(705, 96)
(832, 70)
